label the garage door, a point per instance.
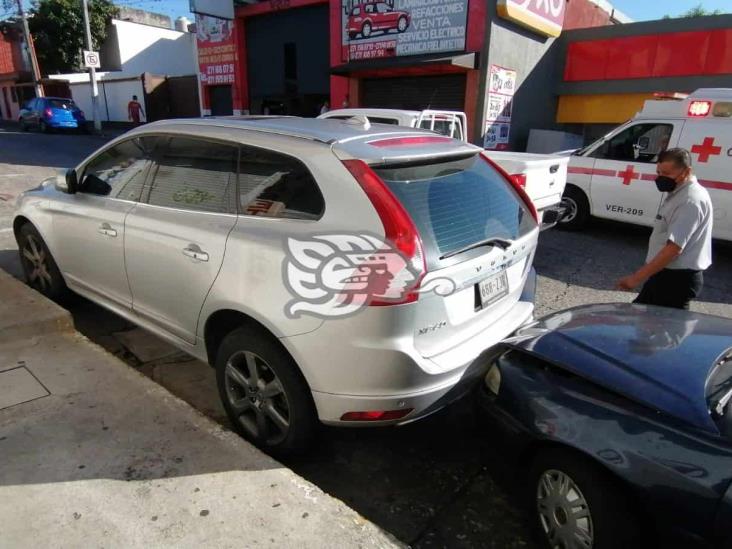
(415, 92)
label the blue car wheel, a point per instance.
(576, 503)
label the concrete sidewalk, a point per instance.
(92, 453)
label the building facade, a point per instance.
(293, 56)
(149, 60)
(606, 74)
(579, 66)
(16, 76)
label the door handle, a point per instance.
(195, 252)
(106, 230)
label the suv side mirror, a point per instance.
(68, 182)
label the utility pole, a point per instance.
(92, 71)
(30, 50)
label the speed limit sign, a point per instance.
(91, 59)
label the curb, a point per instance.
(26, 313)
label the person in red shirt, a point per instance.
(134, 109)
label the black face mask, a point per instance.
(665, 184)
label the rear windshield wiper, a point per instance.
(495, 242)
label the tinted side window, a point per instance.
(194, 174)
(639, 143)
(275, 185)
(119, 172)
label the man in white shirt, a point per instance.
(680, 247)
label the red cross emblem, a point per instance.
(706, 149)
(629, 175)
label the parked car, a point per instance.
(47, 113)
(542, 176)
(237, 240)
(367, 17)
(620, 415)
(613, 177)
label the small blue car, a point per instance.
(620, 417)
(46, 113)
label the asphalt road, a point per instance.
(437, 483)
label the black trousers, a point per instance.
(671, 288)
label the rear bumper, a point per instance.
(372, 373)
(61, 124)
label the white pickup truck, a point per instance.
(542, 176)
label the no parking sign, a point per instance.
(91, 60)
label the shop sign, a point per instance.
(395, 28)
(216, 50)
(499, 104)
(542, 16)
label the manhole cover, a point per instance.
(19, 385)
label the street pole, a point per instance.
(92, 71)
(31, 50)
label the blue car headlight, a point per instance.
(493, 379)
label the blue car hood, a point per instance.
(657, 356)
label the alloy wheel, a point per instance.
(257, 398)
(402, 25)
(570, 207)
(564, 512)
(36, 264)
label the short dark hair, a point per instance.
(134, 97)
(680, 157)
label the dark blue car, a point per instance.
(621, 416)
(46, 113)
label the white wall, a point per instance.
(144, 48)
(118, 94)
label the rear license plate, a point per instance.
(492, 289)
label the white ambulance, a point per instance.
(614, 177)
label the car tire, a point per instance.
(563, 484)
(577, 208)
(366, 30)
(260, 386)
(402, 24)
(23, 125)
(40, 269)
(43, 127)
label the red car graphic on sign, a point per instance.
(368, 17)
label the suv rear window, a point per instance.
(457, 203)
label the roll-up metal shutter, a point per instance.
(445, 92)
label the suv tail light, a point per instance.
(399, 228)
(516, 186)
(48, 113)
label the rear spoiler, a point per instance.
(401, 148)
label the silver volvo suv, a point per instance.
(329, 270)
